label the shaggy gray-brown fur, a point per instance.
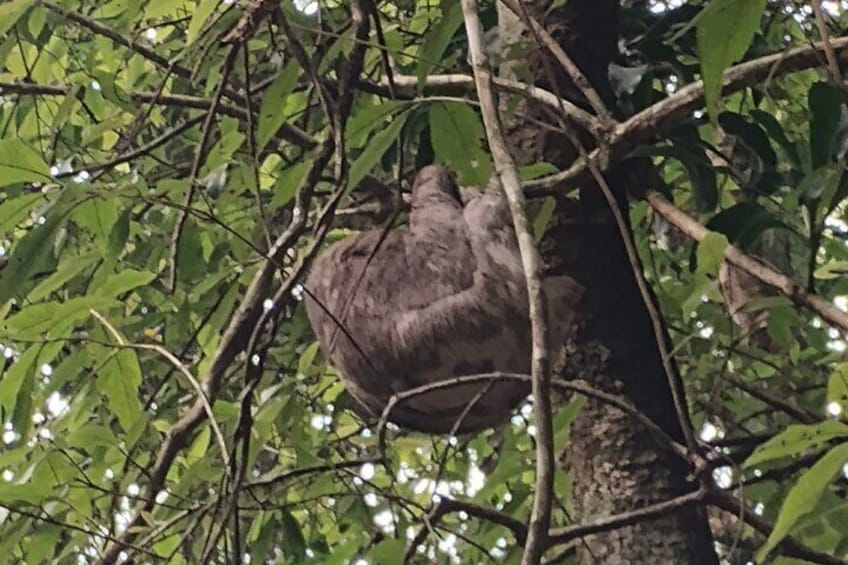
(442, 298)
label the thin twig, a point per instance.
(830, 55)
(608, 523)
(570, 67)
(540, 516)
(199, 158)
(94, 533)
(449, 505)
(578, 387)
(180, 366)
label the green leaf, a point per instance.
(374, 150)
(744, 223)
(190, 263)
(825, 103)
(272, 110)
(306, 358)
(29, 256)
(781, 325)
(370, 117)
(437, 39)
(458, 139)
(751, 134)
(124, 281)
(97, 216)
(199, 16)
(46, 318)
(12, 382)
(390, 551)
(288, 182)
(10, 12)
(89, 437)
(776, 132)
(543, 217)
(796, 439)
(119, 380)
(724, 31)
(837, 386)
(42, 543)
(688, 150)
(198, 447)
(711, 253)
(832, 270)
(15, 210)
(804, 496)
(68, 269)
(118, 236)
(19, 163)
(294, 544)
(22, 415)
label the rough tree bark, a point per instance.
(616, 465)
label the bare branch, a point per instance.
(408, 86)
(667, 114)
(832, 61)
(570, 533)
(765, 274)
(540, 516)
(542, 36)
(183, 370)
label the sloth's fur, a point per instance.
(445, 297)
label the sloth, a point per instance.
(444, 297)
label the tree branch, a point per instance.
(765, 274)
(540, 515)
(570, 533)
(666, 115)
(578, 78)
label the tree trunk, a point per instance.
(616, 465)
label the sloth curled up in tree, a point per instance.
(445, 297)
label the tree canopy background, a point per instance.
(169, 168)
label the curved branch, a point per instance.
(667, 114)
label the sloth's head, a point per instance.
(434, 184)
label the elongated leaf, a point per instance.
(199, 16)
(458, 140)
(10, 12)
(119, 380)
(15, 210)
(804, 496)
(437, 38)
(124, 281)
(272, 110)
(67, 271)
(724, 31)
(837, 385)
(825, 103)
(19, 162)
(12, 381)
(372, 154)
(29, 256)
(711, 253)
(744, 223)
(97, 216)
(797, 439)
